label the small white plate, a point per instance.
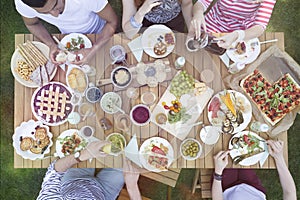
(145, 151)
(210, 134)
(68, 38)
(150, 36)
(237, 152)
(249, 56)
(107, 100)
(64, 134)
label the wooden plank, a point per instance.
(18, 105)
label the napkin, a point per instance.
(132, 151)
(264, 156)
(225, 59)
(136, 48)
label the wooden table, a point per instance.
(102, 61)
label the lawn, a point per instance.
(25, 183)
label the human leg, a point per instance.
(112, 181)
(74, 173)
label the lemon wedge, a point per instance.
(107, 148)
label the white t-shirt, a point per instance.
(79, 16)
(243, 191)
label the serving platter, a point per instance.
(18, 57)
(194, 105)
(217, 109)
(28, 129)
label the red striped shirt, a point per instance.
(230, 15)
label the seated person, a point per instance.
(242, 20)
(236, 184)
(64, 182)
(144, 13)
(69, 16)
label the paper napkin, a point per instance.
(132, 151)
(225, 59)
(264, 156)
(136, 48)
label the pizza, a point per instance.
(274, 101)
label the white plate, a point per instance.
(106, 102)
(149, 39)
(17, 56)
(70, 67)
(248, 57)
(246, 115)
(145, 150)
(237, 152)
(25, 130)
(210, 134)
(189, 157)
(41, 90)
(62, 136)
(67, 38)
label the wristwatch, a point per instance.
(217, 177)
(77, 155)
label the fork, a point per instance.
(253, 44)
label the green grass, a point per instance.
(25, 183)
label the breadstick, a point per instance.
(41, 56)
(30, 51)
(25, 56)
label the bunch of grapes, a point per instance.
(182, 84)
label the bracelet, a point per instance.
(218, 177)
(134, 23)
(241, 35)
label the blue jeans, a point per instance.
(111, 180)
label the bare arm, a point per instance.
(107, 32)
(187, 7)
(131, 177)
(285, 177)
(230, 39)
(93, 150)
(221, 161)
(197, 21)
(35, 26)
(129, 10)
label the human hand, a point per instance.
(93, 150)
(197, 22)
(275, 149)
(148, 5)
(54, 50)
(87, 55)
(221, 161)
(227, 41)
